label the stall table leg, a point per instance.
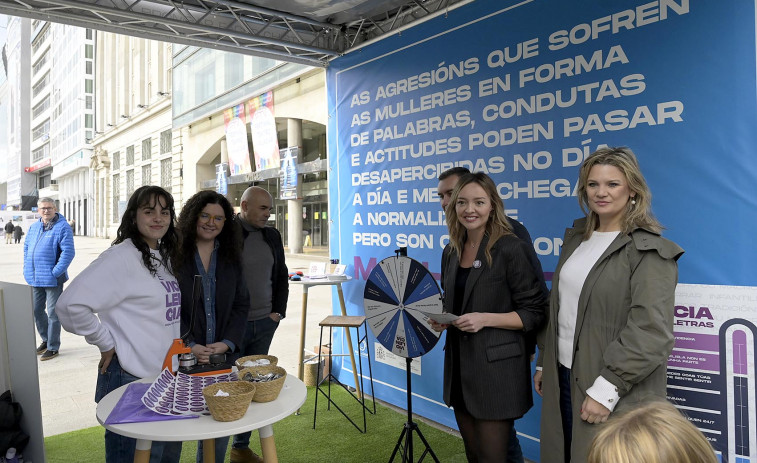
(209, 451)
(142, 452)
(268, 445)
(303, 321)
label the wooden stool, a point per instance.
(346, 322)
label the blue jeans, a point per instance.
(221, 444)
(118, 448)
(47, 323)
(257, 340)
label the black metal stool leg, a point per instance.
(360, 363)
(331, 365)
(318, 373)
(370, 370)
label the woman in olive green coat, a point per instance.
(610, 324)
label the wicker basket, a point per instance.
(266, 391)
(271, 358)
(311, 376)
(233, 406)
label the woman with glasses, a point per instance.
(213, 318)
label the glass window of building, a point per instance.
(165, 174)
(39, 86)
(42, 130)
(38, 65)
(313, 141)
(130, 155)
(146, 149)
(41, 107)
(205, 82)
(147, 174)
(129, 182)
(116, 195)
(116, 163)
(233, 70)
(41, 153)
(40, 40)
(44, 181)
(165, 141)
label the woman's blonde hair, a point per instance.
(638, 214)
(653, 433)
(496, 227)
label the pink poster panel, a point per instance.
(236, 140)
(265, 143)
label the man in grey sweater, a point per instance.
(267, 279)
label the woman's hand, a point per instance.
(471, 322)
(438, 327)
(105, 359)
(218, 347)
(593, 411)
(537, 383)
(202, 353)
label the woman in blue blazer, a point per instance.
(213, 320)
(490, 284)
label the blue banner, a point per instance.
(524, 91)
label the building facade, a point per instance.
(21, 187)
(210, 89)
(71, 117)
(103, 114)
(134, 144)
(4, 112)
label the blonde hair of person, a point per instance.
(496, 227)
(653, 433)
(638, 214)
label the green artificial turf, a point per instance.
(333, 440)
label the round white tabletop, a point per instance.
(305, 281)
(291, 398)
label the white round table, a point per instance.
(259, 416)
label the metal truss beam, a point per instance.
(390, 22)
(227, 25)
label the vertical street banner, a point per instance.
(265, 141)
(524, 91)
(289, 186)
(222, 178)
(236, 140)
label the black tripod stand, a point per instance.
(405, 442)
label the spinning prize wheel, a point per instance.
(399, 296)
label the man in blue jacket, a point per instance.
(48, 251)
